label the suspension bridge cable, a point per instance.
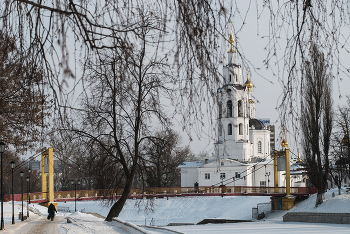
(265, 157)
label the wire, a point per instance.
(236, 179)
(31, 158)
(244, 170)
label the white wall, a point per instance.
(264, 137)
(189, 176)
(260, 175)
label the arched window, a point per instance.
(220, 129)
(230, 78)
(229, 108)
(259, 147)
(240, 129)
(220, 110)
(229, 129)
(240, 108)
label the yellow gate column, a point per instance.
(288, 200)
(275, 171)
(287, 173)
(43, 175)
(50, 162)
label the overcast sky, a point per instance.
(251, 40)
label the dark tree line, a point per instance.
(340, 169)
(162, 156)
(23, 103)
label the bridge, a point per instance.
(161, 192)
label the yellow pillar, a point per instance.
(50, 162)
(287, 172)
(43, 175)
(275, 172)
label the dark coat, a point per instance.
(52, 210)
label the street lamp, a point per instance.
(13, 164)
(79, 186)
(2, 149)
(21, 174)
(268, 178)
(75, 193)
(27, 197)
(29, 171)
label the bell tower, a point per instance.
(235, 108)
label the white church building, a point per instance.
(242, 151)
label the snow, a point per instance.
(162, 211)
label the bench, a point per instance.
(63, 209)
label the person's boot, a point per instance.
(52, 218)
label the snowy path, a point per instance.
(42, 226)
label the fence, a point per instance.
(172, 191)
(261, 211)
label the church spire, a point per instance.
(284, 142)
(231, 40)
(231, 52)
(299, 159)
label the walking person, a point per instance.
(51, 210)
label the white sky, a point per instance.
(251, 41)
(267, 91)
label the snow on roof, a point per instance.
(191, 164)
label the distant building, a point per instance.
(243, 149)
(298, 174)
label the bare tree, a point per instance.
(120, 109)
(188, 31)
(340, 146)
(343, 124)
(162, 157)
(71, 154)
(316, 120)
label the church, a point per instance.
(242, 150)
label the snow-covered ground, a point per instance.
(182, 210)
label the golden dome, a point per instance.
(231, 40)
(284, 142)
(248, 84)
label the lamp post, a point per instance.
(2, 149)
(29, 171)
(79, 186)
(75, 194)
(13, 164)
(21, 174)
(27, 196)
(268, 178)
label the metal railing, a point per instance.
(172, 191)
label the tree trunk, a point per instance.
(320, 198)
(339, 190)
(118, 206)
